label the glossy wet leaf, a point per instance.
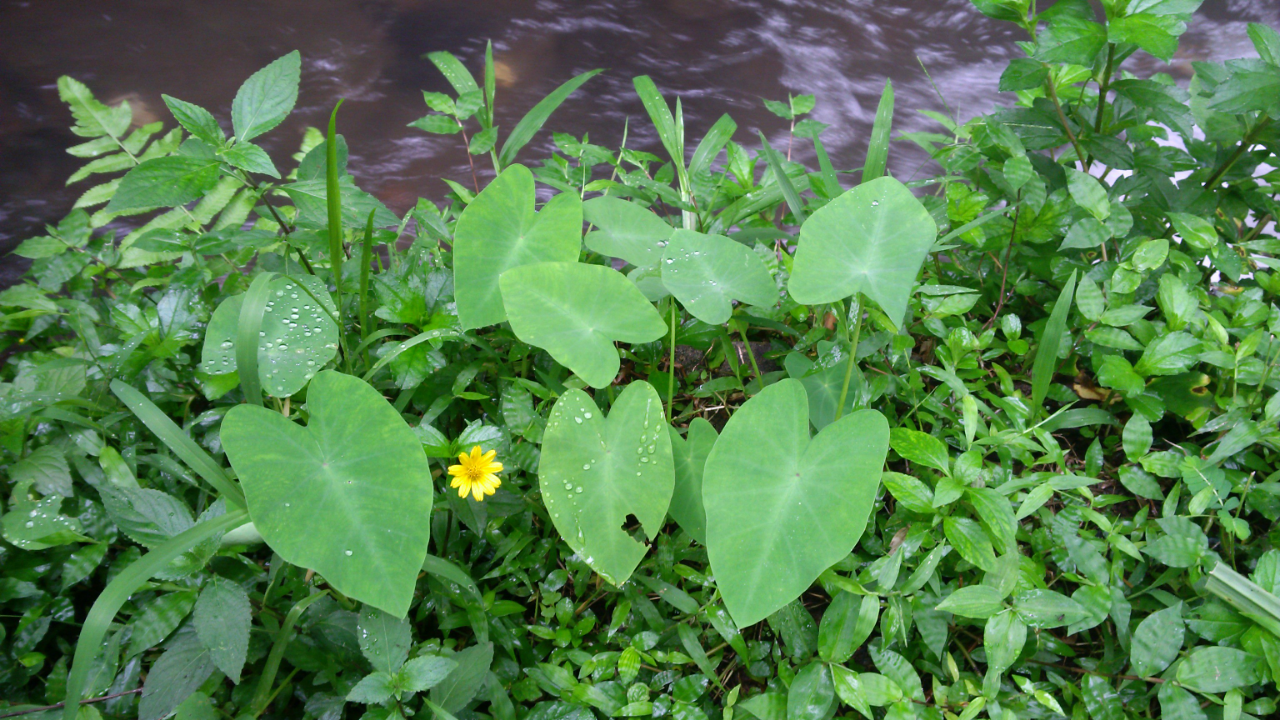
(499, 230)
(1219, 669)
(690, 456)
(707, 272)
(811, 694)
(384, 639)
(357, 470)
(596, 472)
(870, 240)
(297, 339)
(765, 488)
(576, 312)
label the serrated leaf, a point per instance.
(267, 97)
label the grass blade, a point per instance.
(117, 593)
(415, 340)
(827, 171)
(661, 116)
(333, 199)
(714, 141)
(262, 694)
(255, 304)
(178, 441)
(784, 182)
(366, 259)
(490, 88)
(1047, 351)
(878, 148)
(532, 122)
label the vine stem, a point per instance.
(855, 309)
(742, 332)
(1245, 144)
(55, 706)
(1057, 104)
(671, 364)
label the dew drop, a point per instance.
(348, 553)
(587, 415)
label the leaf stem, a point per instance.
(742, 332)
(855, 310)
(671, 364)
(1057, 104)
(1245, 144)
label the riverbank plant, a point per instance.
(690, 431)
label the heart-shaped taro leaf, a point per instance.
(781, 507)
(690, 459)
(499, 231)
(595, 472)
(348, 496)
(706, 272)
(872, 240)
(625, 230)
(298, 336)
(576, 312)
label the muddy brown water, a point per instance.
(719, 56)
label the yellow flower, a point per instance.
(476, 473)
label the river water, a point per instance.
(719, 56)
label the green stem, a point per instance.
(263, 695)
(1245, 144)
(751, 354)
(366, 260)
(855, 310)
(1053, 95)
(671, 364)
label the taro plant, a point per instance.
(738, 437)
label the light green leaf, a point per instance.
(846, 624)
(974, 601)
(384, 639)
(910, 492)
(625, 230)
(1136, 437)
(967, 537)
(595, 472)
(165, 182)
(1088, 193)
(46, 470)
(1219, 669)
(498, 231)
(1157, 34)
(1048, 609)
(707, 272)
(357, 470)
(460, 686)
(576, 312)
(1168, 354)
(424, 673)
(766, 486)
(1003, 638)
(1182, 545)
(267, 97)
(920, 447)
(198, 121)
(1198, 232)
(870, 240)
(251, 158)
(1178, 704)
(811, 694)
(221, 620)
(1157, 641)
(690, 456)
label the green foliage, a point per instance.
(1002, 441)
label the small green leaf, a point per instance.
(165, 182)
(870, 240)
(707, 272)
(222, 619)
(920, 447)
(460, 685)
(975, 601)
(1048, 609)
(1046, 362)
(198, 121)
(1088, 193)
(576, 312)
(267, 97)
(1157, 641)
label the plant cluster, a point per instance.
(707, 434)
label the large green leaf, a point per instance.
(783, 507)
(690, 461)
(595, 472)
(872, 240)
(165, 182)
(297, 338)
(823, 381)
(267, 97)
(576, 312)
(498, 231)
(349, 495)
(625, 230)
(707, 272)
